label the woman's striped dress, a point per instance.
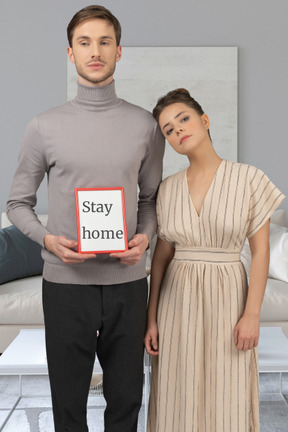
(200, 381)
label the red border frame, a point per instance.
(76, 190)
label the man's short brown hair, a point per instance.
(93, 12)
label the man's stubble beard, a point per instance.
(99, 80)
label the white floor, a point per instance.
(33, 414)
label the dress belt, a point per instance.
(209, 255)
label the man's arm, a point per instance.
(150, 176)
(30, 172)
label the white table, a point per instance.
(273, 352)
(26, 355)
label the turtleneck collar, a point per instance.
(96, 98)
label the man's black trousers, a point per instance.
(73, 315)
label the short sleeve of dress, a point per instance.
(265, 197)
(161, 212)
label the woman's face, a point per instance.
(183, 127)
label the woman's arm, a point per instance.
(246, 334)
(163, 255)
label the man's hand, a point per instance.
(137, 246)
(62, 247)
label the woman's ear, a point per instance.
(205, 120)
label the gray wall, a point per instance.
(33, 66)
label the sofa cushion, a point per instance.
(279, 217)
(21, 301)
(19, 256)
(275, 302)
(5, 222)
(278, 266)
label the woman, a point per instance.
(203, 319)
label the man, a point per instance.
(96, 140)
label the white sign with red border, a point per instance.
(101, 221)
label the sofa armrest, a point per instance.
(6, 223)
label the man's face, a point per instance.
(94, 52)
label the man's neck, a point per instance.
(96, 98)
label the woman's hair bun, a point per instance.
(178, 95)
(180, 91)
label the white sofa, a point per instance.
(21, 299)
(274, 310)
(20, 302)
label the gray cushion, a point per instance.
(19, 256)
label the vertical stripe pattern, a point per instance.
(200, 381)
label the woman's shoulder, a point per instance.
(173, 179)
(243, 169)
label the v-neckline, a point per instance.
(208, 190)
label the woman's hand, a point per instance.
(151, 340)
(246, 333)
